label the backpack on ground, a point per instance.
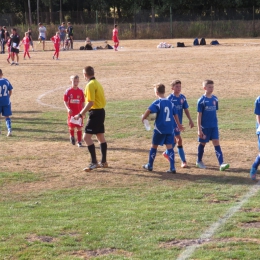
(202, 41)
(215, 42)
(180, 44)
(82, 48)
(88, 47)
(196, 41)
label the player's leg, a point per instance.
(170, 152)
(27, 51)
(7, 112)
(92, 150)
(215, 141)
(256, 163)
(71, 42)
(103, 149)
(43, 45)
(165, 153)
(12, 57)
(72, 135)
(79, 136)
(57, 51)
(181, 151)
(17, 57)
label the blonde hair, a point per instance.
(73, 77)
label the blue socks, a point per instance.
(200, 152)
(181, 153)
(152, 155)
(256, 162)
(8, 124)
(170, 153)
(219, 154)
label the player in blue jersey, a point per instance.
(256, 163)
(163, 127)
(180, 103)
(5, 103)
(207, 122)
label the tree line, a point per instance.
(118, 8)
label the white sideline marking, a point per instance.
(213, 228)
(46, 93)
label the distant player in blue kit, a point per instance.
(163, 127)
(180, 103)
(207, 122)
(5, 103)
(256, 163)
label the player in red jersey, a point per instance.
(8, 44)
(74, 101)
(115, 37)
(26, 44)
(56, 41)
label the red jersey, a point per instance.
(115, 35)
(56, 40)
(75, 99)
(26, 41)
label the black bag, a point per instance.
(88, 47)
(180, 44)
(202, 41)
(215, 42)
(82, 48)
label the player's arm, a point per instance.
(181, 127)
(10, 92)
(146, 114)
(258, 119)
(200, 133)
(67, 107)
(187, 112)
(84, 110)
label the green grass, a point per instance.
(138, 220)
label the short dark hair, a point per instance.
(175, 82)
(160, 88)
(207, 81)
(14, 29)
(89, 71)
(115, 25)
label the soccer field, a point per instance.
(51, 209)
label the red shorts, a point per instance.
(115, 39)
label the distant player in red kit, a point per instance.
(8, 44)
(74, 101)
(115, 37)
(26, 44)
(56, 41)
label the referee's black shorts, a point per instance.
(95, 124)
(14, 50)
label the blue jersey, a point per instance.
(5, 87)
(180, 103)
(257, 112)
(164, 121)
(208, 107)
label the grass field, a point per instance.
(51, 209)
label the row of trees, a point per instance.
(118, 9)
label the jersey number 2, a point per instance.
(167, 111)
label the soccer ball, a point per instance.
(152, 116)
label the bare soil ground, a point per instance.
(128, 74)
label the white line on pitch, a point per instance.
(186, 254)
(46, 93)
